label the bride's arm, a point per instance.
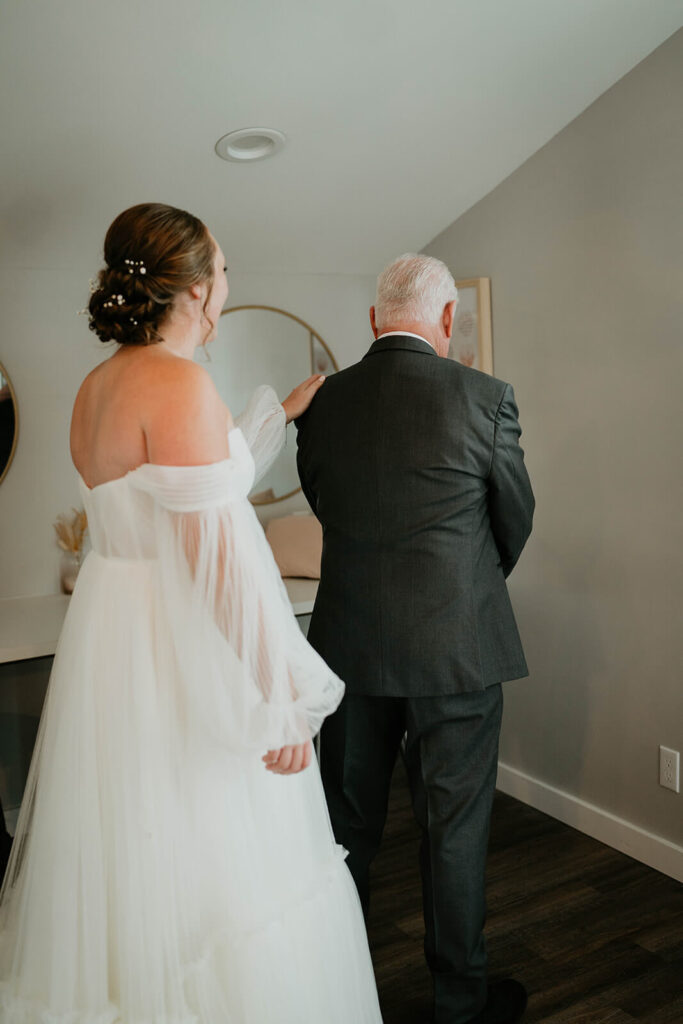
(264, 419)
(190, 428)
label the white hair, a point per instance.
(414, 288)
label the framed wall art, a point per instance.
(471, 343)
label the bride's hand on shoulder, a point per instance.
(297, 402)
(289, 760)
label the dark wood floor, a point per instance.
(596, 937)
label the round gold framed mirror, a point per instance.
(266, 345)
(9, 423)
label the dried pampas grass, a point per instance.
(71, 530)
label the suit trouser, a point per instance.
(451, 757)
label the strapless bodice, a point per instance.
(121, 512)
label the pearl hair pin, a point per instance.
(135, 265)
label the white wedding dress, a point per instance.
(159, 874)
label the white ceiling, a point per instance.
(400, 115)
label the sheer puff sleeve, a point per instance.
(244, 670)
(263, 423)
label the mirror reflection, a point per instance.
(264, 345)
(9, 422)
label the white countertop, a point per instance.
(302, 594)
(30, 626)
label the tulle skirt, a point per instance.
(156, 876)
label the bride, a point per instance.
(173, 861)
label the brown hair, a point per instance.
(152, 253)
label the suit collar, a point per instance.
(401, 343)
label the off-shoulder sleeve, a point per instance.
(247, 675)
(263, 425)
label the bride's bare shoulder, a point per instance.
(87, 401)
(186, 421)
(162, 405)
(148, 376)
(88, 383)
(166, 369)
(184, 385)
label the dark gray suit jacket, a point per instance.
(413, 466)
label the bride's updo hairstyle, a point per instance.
(152, 253)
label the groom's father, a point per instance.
(412, 464)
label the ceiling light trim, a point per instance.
(247, 145)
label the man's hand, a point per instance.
(298, 401)
(289, 760)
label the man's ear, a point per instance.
(448, 318)
(373, 322)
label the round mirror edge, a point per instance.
(276, 309)
(13, 394)
(292, 316)
(274, 501)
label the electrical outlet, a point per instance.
(669, 769)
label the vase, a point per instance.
(68, 570)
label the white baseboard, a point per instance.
(650, 849)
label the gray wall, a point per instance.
(583, 245)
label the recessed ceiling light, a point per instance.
(250, 144)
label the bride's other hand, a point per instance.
(289, 760)
(298, 401)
